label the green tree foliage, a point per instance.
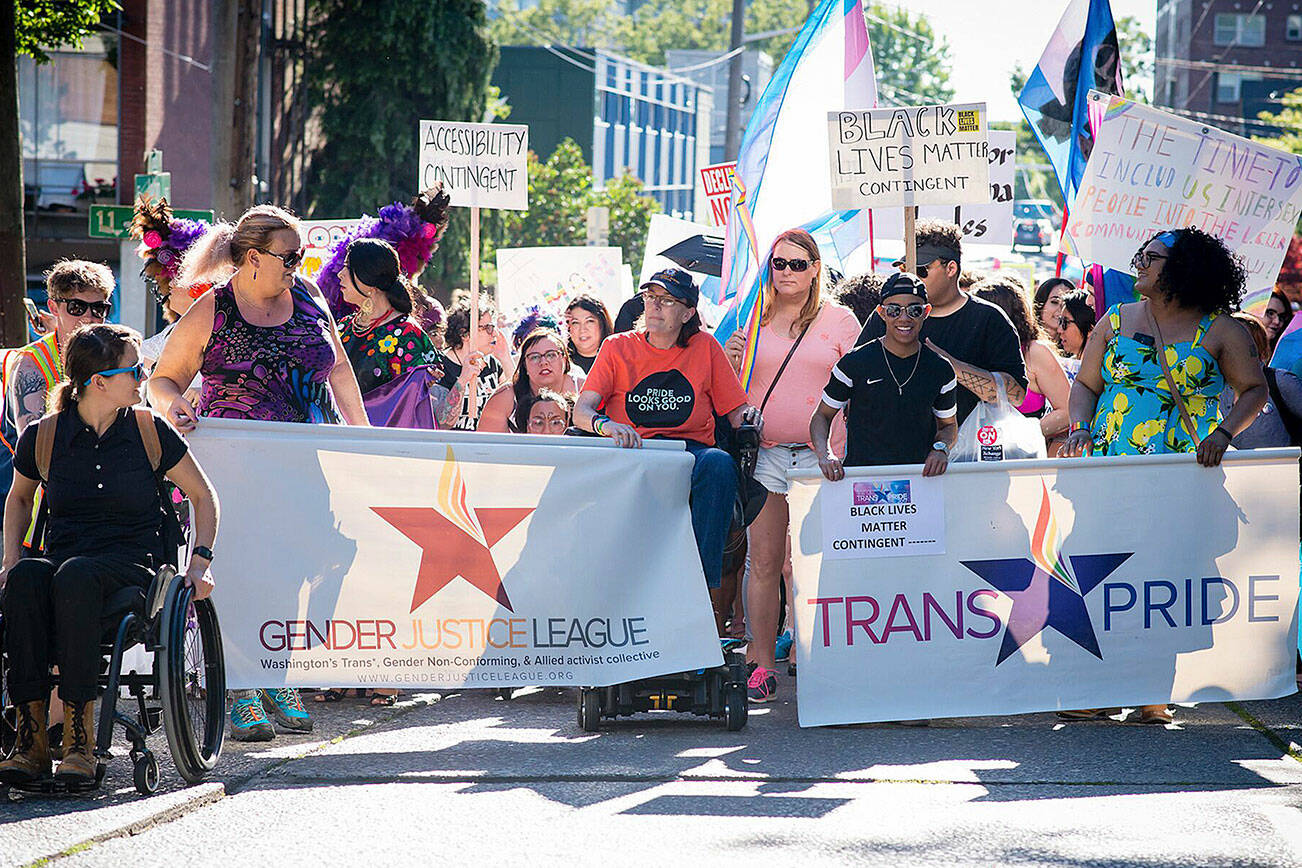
(560, 193)
(1289, 121)
(912, 60)
(1136, 59)
(373, 71)
(45, 24)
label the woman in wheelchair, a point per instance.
(667, 379)
(105, 530)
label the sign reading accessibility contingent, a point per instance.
(919, 155)
(1151, 171)
(376, 557)
(480, 165)
(1063, 584)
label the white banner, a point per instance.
(480, 165)
(1151, 170)
(917, 155)
(376, 557)
(983, 222)
(1064, 584)
(321, 235)
(550, 276)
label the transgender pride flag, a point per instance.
(783, 179)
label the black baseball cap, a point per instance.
(677, 283)
(904, 283)
(929, 253)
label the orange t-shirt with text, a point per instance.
(665, 393)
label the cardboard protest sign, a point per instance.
(1151, 170)
(983, 222)
(916, 155)
(550, 276)
(480, 165)
(717, 181)
(321, 235)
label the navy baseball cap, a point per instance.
(677, 283)
(904, 283)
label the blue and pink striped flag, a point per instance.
(783, 180)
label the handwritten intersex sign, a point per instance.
(1151, 171)
(480, 165)
(382, 557)
(1049, 585)
(989, 222)
(919, 155)
(321, 235)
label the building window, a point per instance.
(1293, 28)
(69, 118)
(1228, 85)
(1245, 30)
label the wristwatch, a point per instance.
(941, 446)
(203, 552)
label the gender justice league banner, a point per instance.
(378, 557)
(1034, 586)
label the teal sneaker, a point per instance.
(286, 709)
(248, 723)
(782, 649)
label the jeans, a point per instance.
(714, 491)
(54, 615)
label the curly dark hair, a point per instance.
(861, 293)
(940, 233)
(1009, 295)
(458, 325)
(1200, 272)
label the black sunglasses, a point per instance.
(921, 270)
(77, 307)
(796, 265)
(290, 260)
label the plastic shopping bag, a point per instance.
(995, 432)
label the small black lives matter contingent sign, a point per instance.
(918, 155)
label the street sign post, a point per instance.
(112, 221)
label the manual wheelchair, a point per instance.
(718, 691)
(184, 694)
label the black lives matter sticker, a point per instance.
(662, 400)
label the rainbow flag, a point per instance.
(782, 178)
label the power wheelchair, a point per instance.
(184, 693)
(718, 692)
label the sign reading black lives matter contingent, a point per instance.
(480, 165)
(917, 155)
(883, 516)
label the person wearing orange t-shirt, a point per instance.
(667, 379)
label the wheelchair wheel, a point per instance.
(589, 709)
(192, 680)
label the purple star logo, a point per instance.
(1041, 599)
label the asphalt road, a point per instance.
(471, 777)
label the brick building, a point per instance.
(215, 84)
(1225, 61)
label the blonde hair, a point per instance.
(220, 251)
(814, 303)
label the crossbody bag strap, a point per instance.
(45, 430)
(149, 437)
(1170, 381)
(782, 367)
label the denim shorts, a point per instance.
(774, 462)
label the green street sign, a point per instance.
(113, 221)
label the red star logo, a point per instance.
(454, 542)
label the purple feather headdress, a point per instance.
(164, 238)
(413, 229)
(534, 318)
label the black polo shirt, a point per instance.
(102, 495)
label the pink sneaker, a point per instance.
(762, 685)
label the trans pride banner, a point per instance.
(1044, 585)
(378, 557)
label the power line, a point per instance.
(184, 58)
(1273, 71)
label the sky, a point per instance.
(987, 38)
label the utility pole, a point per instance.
(732, 133)
(13, 254)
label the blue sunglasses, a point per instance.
(137, 370)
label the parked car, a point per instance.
(1034, 223)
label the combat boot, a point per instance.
(78, 742)
(31, 759)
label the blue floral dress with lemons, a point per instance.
(1137, 415)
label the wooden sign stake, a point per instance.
(474, 308)
(910, 240)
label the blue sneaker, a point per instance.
(248, 723)
(782, 650)
(286, 708)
